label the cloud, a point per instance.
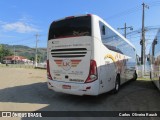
(19, 27)
(26, 19)
(1, 22)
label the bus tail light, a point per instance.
(48, 71)
(93, 75)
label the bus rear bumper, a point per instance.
(74, 88)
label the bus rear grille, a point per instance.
(69, 52)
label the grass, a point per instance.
(144, 78)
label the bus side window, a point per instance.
(103, 30)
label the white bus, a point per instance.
(86, 56)
(155, 60)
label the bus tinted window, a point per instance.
(71, 27)
(113, 48)
(114, 42)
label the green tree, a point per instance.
(4, 52)
(39, 58)
(31, 58)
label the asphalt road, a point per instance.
(26, 90)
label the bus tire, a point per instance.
(117, 84)
(135, 76)
(150, 75)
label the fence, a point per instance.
(40, 65)
(146, 71)
(16, 65)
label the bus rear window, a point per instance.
(71, 27)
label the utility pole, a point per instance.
(125, 29)
(37, 35)
(14, 55)
(143, 39)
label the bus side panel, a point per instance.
(99, 52)
(155, 60)
(106, 71)
(156, 72)
(123, 52)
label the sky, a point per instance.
(21, 20)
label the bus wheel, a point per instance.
(135, 76)
(117, 84)
(150, 76)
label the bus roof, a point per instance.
(72, 17)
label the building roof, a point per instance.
(15, 57)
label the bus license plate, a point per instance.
(66, 87)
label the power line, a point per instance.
(133, 10)
(18, 41)
(153, 3)
(25, 41)
(129, 11)
(125, 29)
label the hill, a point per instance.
(27, 52)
